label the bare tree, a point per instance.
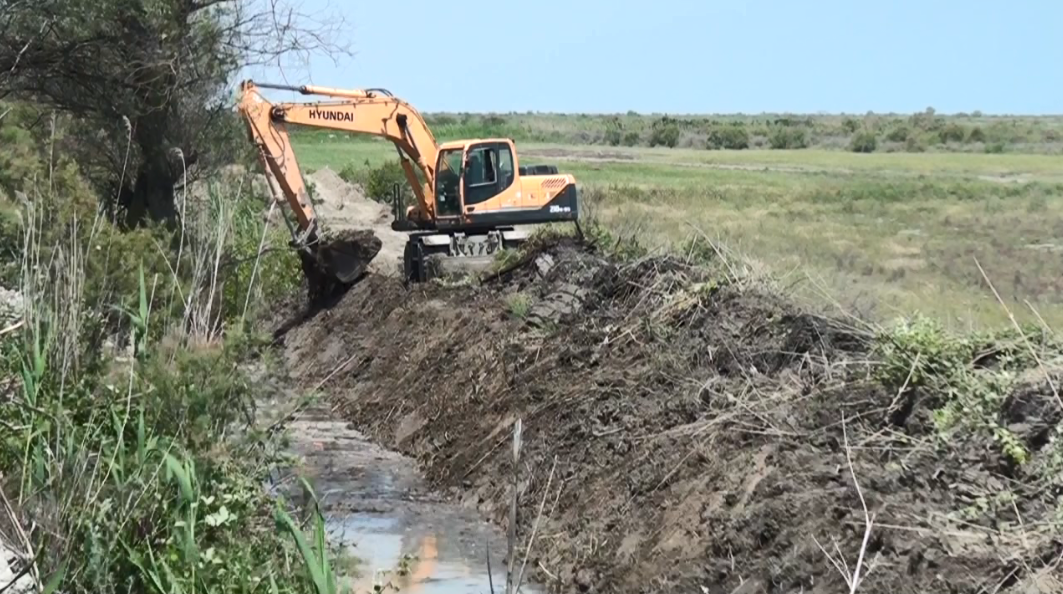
(148, 82)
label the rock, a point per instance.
(10, 566)
(12, 307)
(544, 263)
(751, 586)
(566, 300)
(585, 579)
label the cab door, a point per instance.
(448, 184)
(488, 172)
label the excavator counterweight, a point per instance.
(470, 194)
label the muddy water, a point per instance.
(379, 509)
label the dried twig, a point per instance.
(490, 577)
(12, 327)
(854, 579)
(1025, 339)
(535, 526)
(512, 537)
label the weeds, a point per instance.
(519, 305)
(138, 472)
(973, 376)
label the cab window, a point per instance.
(505, 166)
(481, 168)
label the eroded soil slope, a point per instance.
(698, 429)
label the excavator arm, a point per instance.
(373, 112)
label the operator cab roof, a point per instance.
(461, 144)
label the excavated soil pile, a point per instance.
(343, 207)
(698, 428)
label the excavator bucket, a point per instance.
(346, 255)
(338, 262)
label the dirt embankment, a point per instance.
(697, 430)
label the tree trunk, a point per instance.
(152, 195)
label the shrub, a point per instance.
(786, 137)
(665, 132)
(729, 136)
(976, 135)
(379, 182)
(632, 138)
(952, 132)
(614, 131)
(864, 141)
(914, 145)
(920, 354)
(898, 133)
(850, 125)
(995, 148)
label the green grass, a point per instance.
(884, 234)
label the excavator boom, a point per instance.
(372, 112)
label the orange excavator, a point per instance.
(471, 195)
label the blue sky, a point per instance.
(690, 56)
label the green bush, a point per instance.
(379, 182)
(864, 141)
(665, 132)
(614, 132)
(632, 138)
(952, 132)
(898, 134)
(787, 137)
(732, 136)
(976, 134)
(131, 476)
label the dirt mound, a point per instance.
(702, 432)
(342, 205)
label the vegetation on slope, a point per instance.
(131, 455)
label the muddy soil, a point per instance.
(700, 433)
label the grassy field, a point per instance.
(879, 234)
(925, 131)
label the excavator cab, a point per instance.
(480, 184)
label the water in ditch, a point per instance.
(378, 508)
